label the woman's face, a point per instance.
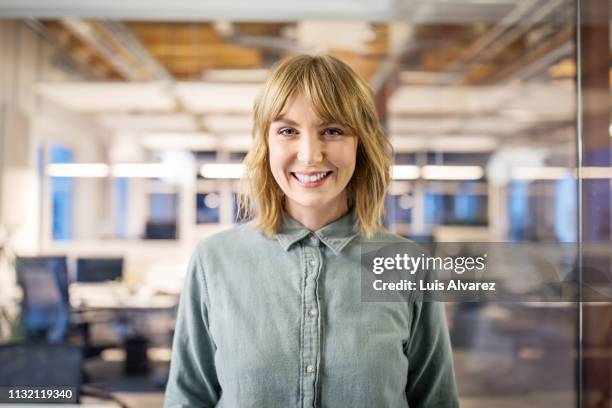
(311, 161)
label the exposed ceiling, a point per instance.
(482, 50)
(488, 68)
(421, 11)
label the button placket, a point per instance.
(311, 332)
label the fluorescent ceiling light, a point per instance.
(597, 172)
(452, 100)
(142, 170)
(180, 141)
(462, 144)
(558, 173)
(451, 172)
(222, 170)
(109, 96)
(540, 173)
(527, 101)
(235, 75)
(81, 170)
(228, 123)
(407, 144)
(217, 97)
(404, 172)
(171, 122)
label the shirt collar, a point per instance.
(335, 235)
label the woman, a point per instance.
(271, 314)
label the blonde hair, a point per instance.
(336, 94)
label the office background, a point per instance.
(123, 125)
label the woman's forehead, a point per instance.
(296, 105)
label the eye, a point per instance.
(287, 132)
(333, 132)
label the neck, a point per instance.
(314, 218)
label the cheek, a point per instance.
(345, 156)
(278, 160)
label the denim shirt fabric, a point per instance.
(279, 322)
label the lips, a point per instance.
(313, 179)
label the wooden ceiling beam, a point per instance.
(176, 33)
(200, 51)
(262, 29)
(177, 65)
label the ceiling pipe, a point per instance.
(124, 35)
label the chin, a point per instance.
(312, 202)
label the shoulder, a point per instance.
(240, 234)
(231, 240)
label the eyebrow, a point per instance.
(293, 123)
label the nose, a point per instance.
(310, 149)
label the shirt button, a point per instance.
(312, 263)
(314, 240)
(313, 312)
(310, 369)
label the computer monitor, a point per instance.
(160, 230)
(95, 270)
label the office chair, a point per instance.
(45, 309)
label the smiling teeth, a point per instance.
(309, 179)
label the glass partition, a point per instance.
(499, 116)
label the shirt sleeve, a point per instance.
(431, 379)
(193, 379)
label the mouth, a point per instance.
(312, 179)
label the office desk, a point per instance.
(116, 297)
(130, 312)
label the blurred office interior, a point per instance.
(123, 126)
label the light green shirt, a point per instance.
(279, 322)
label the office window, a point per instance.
(463, 207)
(404, 158)
(237, 156)
(565, 210)
(207, 155)
(163, 216)
(207, 211)
(398, 209)
(62, 194)
(457, 159)
(542, 210)
(121, 206)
